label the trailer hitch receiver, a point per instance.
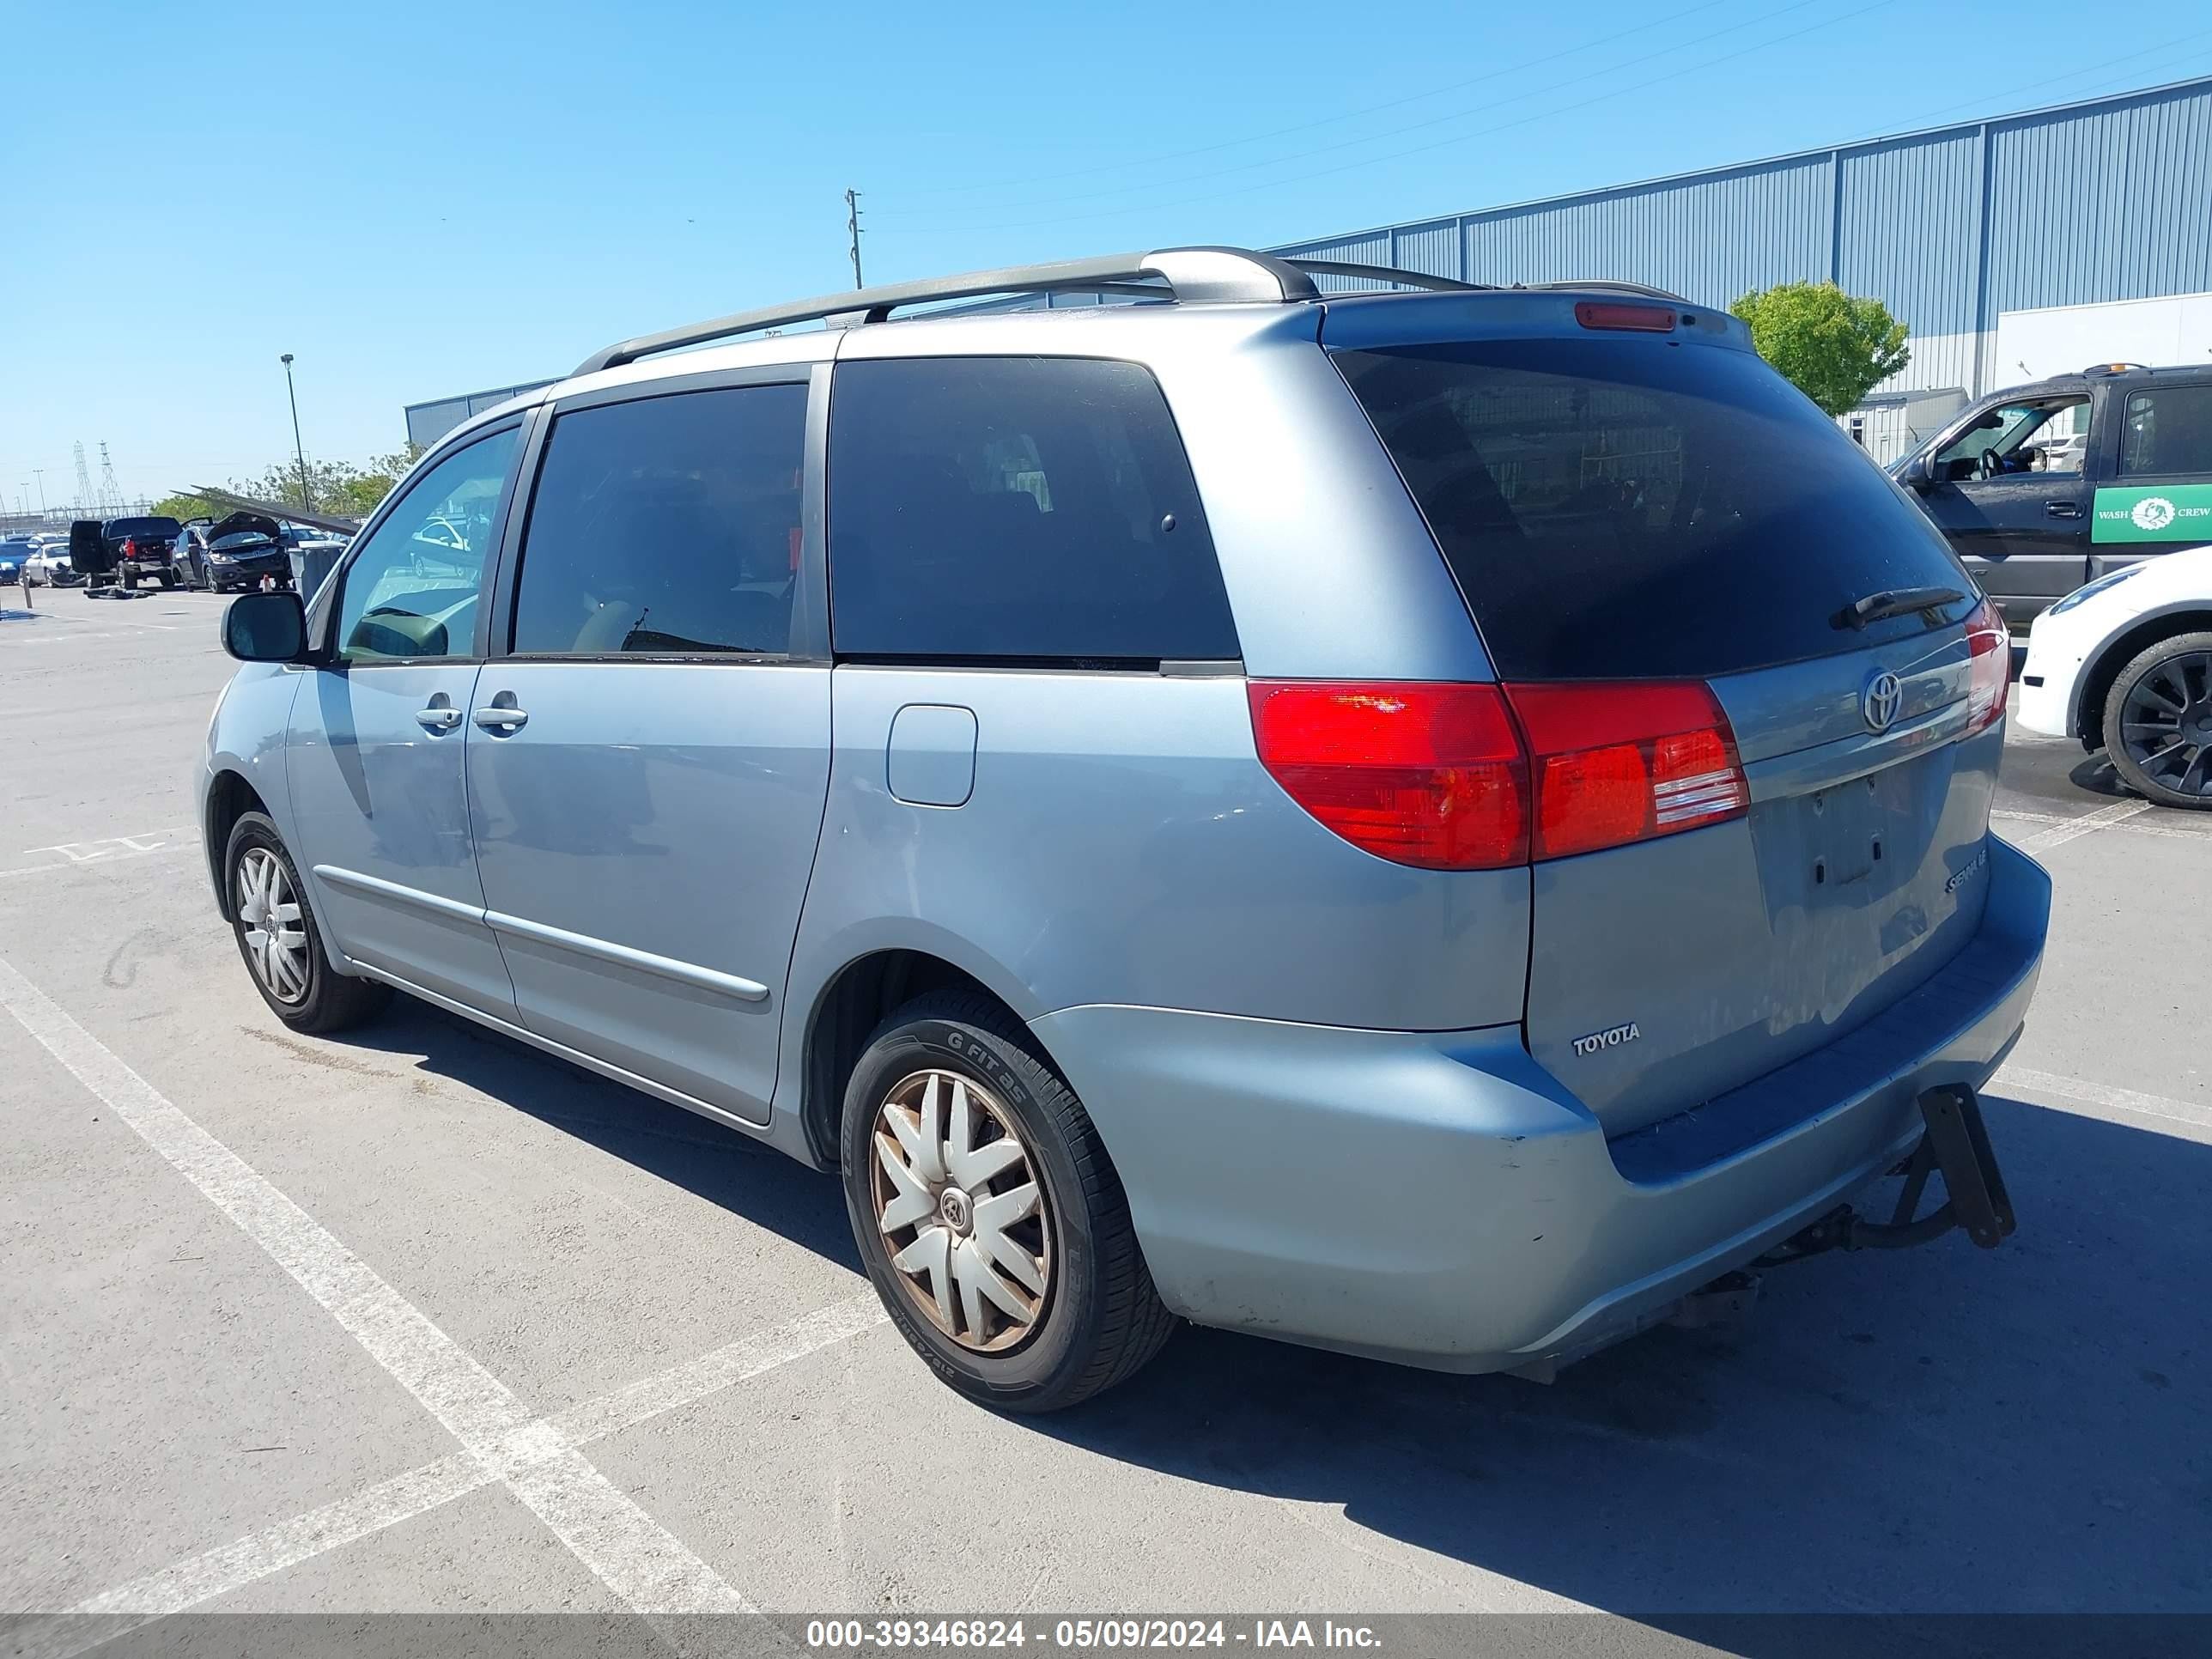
(1953, 1143)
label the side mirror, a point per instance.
(1919, 473)
(266, 628)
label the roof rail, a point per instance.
(1643, 290)
(1197, 276)
(1384, 274)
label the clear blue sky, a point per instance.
(423, 199)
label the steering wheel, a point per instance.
(1992, 465)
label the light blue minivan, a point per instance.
(1432, 822)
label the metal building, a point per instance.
(1952, 227)
(428, 423)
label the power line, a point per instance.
(1986, 99)
(1417, 150)
(1322, 121)
(1419, 126)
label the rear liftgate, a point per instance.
(1955, 1144)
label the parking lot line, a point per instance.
(2110, 1097)
(2134, 826)
(108, 849)
(2087, 824)
(629, 1551)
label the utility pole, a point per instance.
(40, 473)
(852, 228)
(298, 449)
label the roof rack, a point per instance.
(1420, 279)
(1199, 276)
(1643, 291)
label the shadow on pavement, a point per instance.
(1938, 1429)
(720, 1165)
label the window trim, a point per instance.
(322, 620)
(1068, 664)
(809, 598)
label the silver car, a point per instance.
(1440, 824)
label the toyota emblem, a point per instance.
(1883, 696)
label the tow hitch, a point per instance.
(1954, 1144)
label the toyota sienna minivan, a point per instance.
(1437, 824)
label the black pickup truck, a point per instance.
(118, 552)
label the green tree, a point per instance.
(1833, 347)
(181, 507)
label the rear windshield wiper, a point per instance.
(1894, 602)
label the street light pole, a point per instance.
(40, 473)
(298, 448)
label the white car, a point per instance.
(2126, 665)
(50, 567)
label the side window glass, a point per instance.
(2018, 438)
(1036, 509)
(2168, 430)
(413, 589)
(666, 526)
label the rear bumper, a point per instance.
(1439, 1199)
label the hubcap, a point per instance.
(961, 1210)
(269, 920)
(2166, 724)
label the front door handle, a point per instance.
(498, 716)
(437, 720)
(2063, 509)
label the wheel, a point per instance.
(279, 939)
(207, 579)
(2158, 721)
(169, 580)
(992, 1223)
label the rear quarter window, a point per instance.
(1635, 508)
(1016, 509)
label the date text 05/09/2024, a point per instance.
(1085, 1634)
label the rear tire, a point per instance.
(2158, 722)
(1094, 1317)
(280, 940)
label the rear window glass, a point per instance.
(141, 526)
(1624, 509)
(1016, 509)
(2169, 429)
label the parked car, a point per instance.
(15, 550)
(122, 552)
(236, 553)
(51, 569)
(2042, 487)
(1431, 824)
(2125, 664)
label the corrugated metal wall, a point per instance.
(2107, 199)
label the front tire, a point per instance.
(279, 939)
(2158, 722)
(993, 1225)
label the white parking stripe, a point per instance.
(2087, 824)
(2135, 826)
(260, 1555)
(2109, 1095)
(629, 1551)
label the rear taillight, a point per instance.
(130, 548)
(1431, 775)
(1988, 666)
(1478, 777)
(1641, 319)
(1620, 762)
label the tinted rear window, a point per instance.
(142, 526)
(1621, 509)
(1035, 509)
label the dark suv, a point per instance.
(2044, 487)
(118, 552)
